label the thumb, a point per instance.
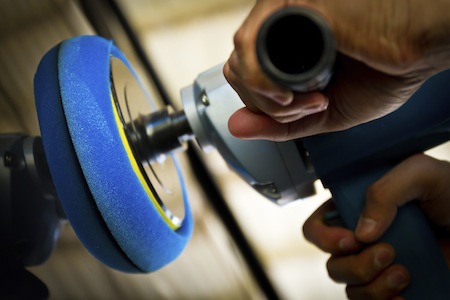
(246, 124)
(412, 179)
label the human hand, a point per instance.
(384, 56)
(369, 271)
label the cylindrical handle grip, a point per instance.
(410, 234)
(296, 48)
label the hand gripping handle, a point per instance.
(410, 234)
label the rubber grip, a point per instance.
(410, 234)
(296, 48)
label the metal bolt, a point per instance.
(8, 159)
(204, 99)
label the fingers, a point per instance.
(387, 285)
(370, 273)
(252, 81)
(363, 267)
(247, 124)
(419, 178)
(334, 240)
(253, 86)
(244, 74)
(242, 69)
(264, 96)
(260, 94)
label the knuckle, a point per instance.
(238, 39)
(229, 76)
(331, 269)
(351, 293)
(420, 159)
(306, 229)
(226, 70)
(314, 239)
(362, 273)
(425, 161)
(353, 272)
(375, 192)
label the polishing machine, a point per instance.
(100, 167)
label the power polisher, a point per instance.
(104, 158)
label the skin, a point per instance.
(397, 46)
(386, 50)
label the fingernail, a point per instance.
(397, 279)
(365, 226)
(383, 258)
(348, 244)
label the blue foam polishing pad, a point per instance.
(113, 210)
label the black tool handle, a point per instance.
(296, 48)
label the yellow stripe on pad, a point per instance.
(137, 170)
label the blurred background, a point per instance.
(245, 247)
